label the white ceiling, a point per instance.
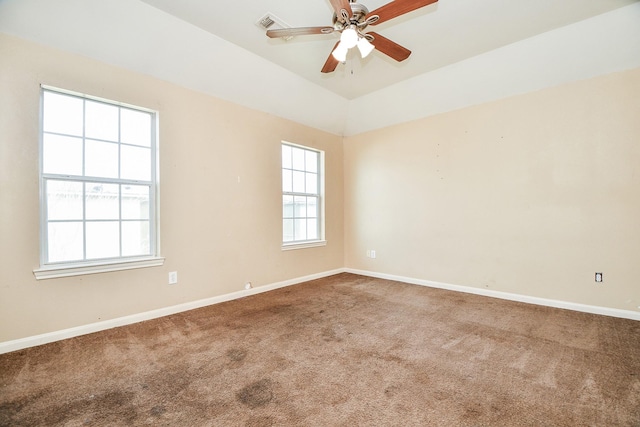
(440, 34)
(464, 51)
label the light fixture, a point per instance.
(365, 47)
(340, 52)
(348, 39)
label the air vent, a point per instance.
(271, 22)
(266, 22)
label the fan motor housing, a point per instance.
(359, 13)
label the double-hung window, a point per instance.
(302, 183)
(98, 185)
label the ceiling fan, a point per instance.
(350, 19)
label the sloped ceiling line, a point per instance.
(142, 38)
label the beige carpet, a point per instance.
(341, 351)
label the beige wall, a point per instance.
(217, 233)
(531, 195)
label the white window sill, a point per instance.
(303, 245)
(66, 270)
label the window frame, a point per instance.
(49, 269)
(320, 240)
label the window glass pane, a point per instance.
(135, 127)
(62, 155)
(64, 241)
(300, 229)
(286, 181)
(286, 157)
(101, 121)
(311, 180)
(287, 230)
(135, 202)
(311, 162)
(62, 114)
(298, 158)
(300, 203)
(135, 163)
(301, 174)
(312, 228)
(312, 207)
(103, 239)
(85, 220)
(102, 201)
(101, 159)
(135, 238)
(64, 200)
(298, 182)
(287, 206)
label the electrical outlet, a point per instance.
(173, 277)
(368, 253)
(598, 277)
(373, 253)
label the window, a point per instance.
(98, 185)
(301, 196)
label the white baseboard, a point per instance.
(19, 344)
(605, 311)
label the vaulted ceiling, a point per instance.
(464, 52)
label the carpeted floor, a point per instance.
(341, 351)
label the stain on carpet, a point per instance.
(236, 354)
(158, 410)
(256, 394)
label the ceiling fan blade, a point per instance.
(342, 9)
(396, 8)
(332, 63)
(389, 48)
(302, 31)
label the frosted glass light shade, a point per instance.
(340, 52)
(349, 38)
(365, 47)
